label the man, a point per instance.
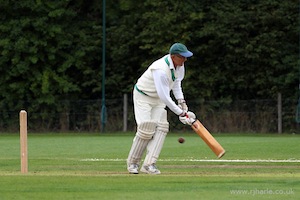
(151, 95)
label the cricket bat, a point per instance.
(208, 138)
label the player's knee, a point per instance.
(163, 127)
(146, 130)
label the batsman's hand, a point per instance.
(182, 104)
(187, 118)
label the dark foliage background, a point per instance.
(51, 53)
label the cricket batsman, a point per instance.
(151, 95)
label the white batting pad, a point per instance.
(143, 135)
(146, 130)
(137, 149)
(155, 145)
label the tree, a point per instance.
(51, 51)
(249, 49)
(45, 54)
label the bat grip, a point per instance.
(194, 121)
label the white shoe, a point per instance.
(133, 168)
(150, 169)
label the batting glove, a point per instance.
(187, 118)
(182, 104)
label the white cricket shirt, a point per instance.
(158, 80)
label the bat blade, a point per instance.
(208, 138)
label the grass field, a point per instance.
(90, 166)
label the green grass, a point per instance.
(89, 166)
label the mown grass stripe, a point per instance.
(197, 160)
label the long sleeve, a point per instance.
(163, 90)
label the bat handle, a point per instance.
(194, 121)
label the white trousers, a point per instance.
(147, 108)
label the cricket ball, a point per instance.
(181, 140)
